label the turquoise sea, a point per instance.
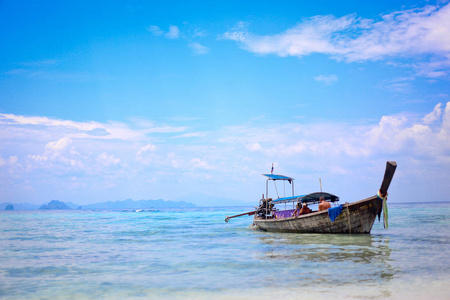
(194, 254)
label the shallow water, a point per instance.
(193, 253)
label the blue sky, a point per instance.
(106, 100)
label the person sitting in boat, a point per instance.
(323, 205)
(272, 210)
(297, 210)
(264, 207)
(305, 209)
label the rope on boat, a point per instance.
(383, 198)
(385, 214)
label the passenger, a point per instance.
(323, 205)
(261, 209)
(305, 209)
(272, 211)
(297, 210)
(271, 207)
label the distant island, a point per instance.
(18, 206)
(124, 204)
(55, 204)
(194, 200)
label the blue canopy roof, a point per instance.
(278, 177)
(287, 199)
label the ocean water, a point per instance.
(194, 254)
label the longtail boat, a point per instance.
(355, 217)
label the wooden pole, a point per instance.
(388, 175)
(244, 214)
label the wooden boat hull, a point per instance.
(356, 217)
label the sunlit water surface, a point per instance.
(193, 253)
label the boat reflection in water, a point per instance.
(327, 258)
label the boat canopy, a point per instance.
(312, 198)
(278, 177)
(288, 199)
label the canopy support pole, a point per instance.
(275, 184)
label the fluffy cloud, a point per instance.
(59, 145)
(254, 147)
(200, 164)
(409, 33)
(145, 149)
(445, 132)
(108, 159)
(394, 135)
(81, 162)
(173, 33)
(434, 115)
(147, 154)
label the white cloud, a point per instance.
(446, 123)
(326, 79)
(58, 155)
(108, 159)
(38, 158)
(192, 37)
(54, 151)
(409, 33)
(146, 148)
(11, 119)
(434, 115)
(173, 33)
(400, 84)
(155, 30)
(254, 147)
(90, 130)
(165, 167)
(13, 160)
(238, 33)
(191, 135)
(395, 135)
(59, 145)
(148, 155)
(198, 32)
(198, 48)
(200, 164)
